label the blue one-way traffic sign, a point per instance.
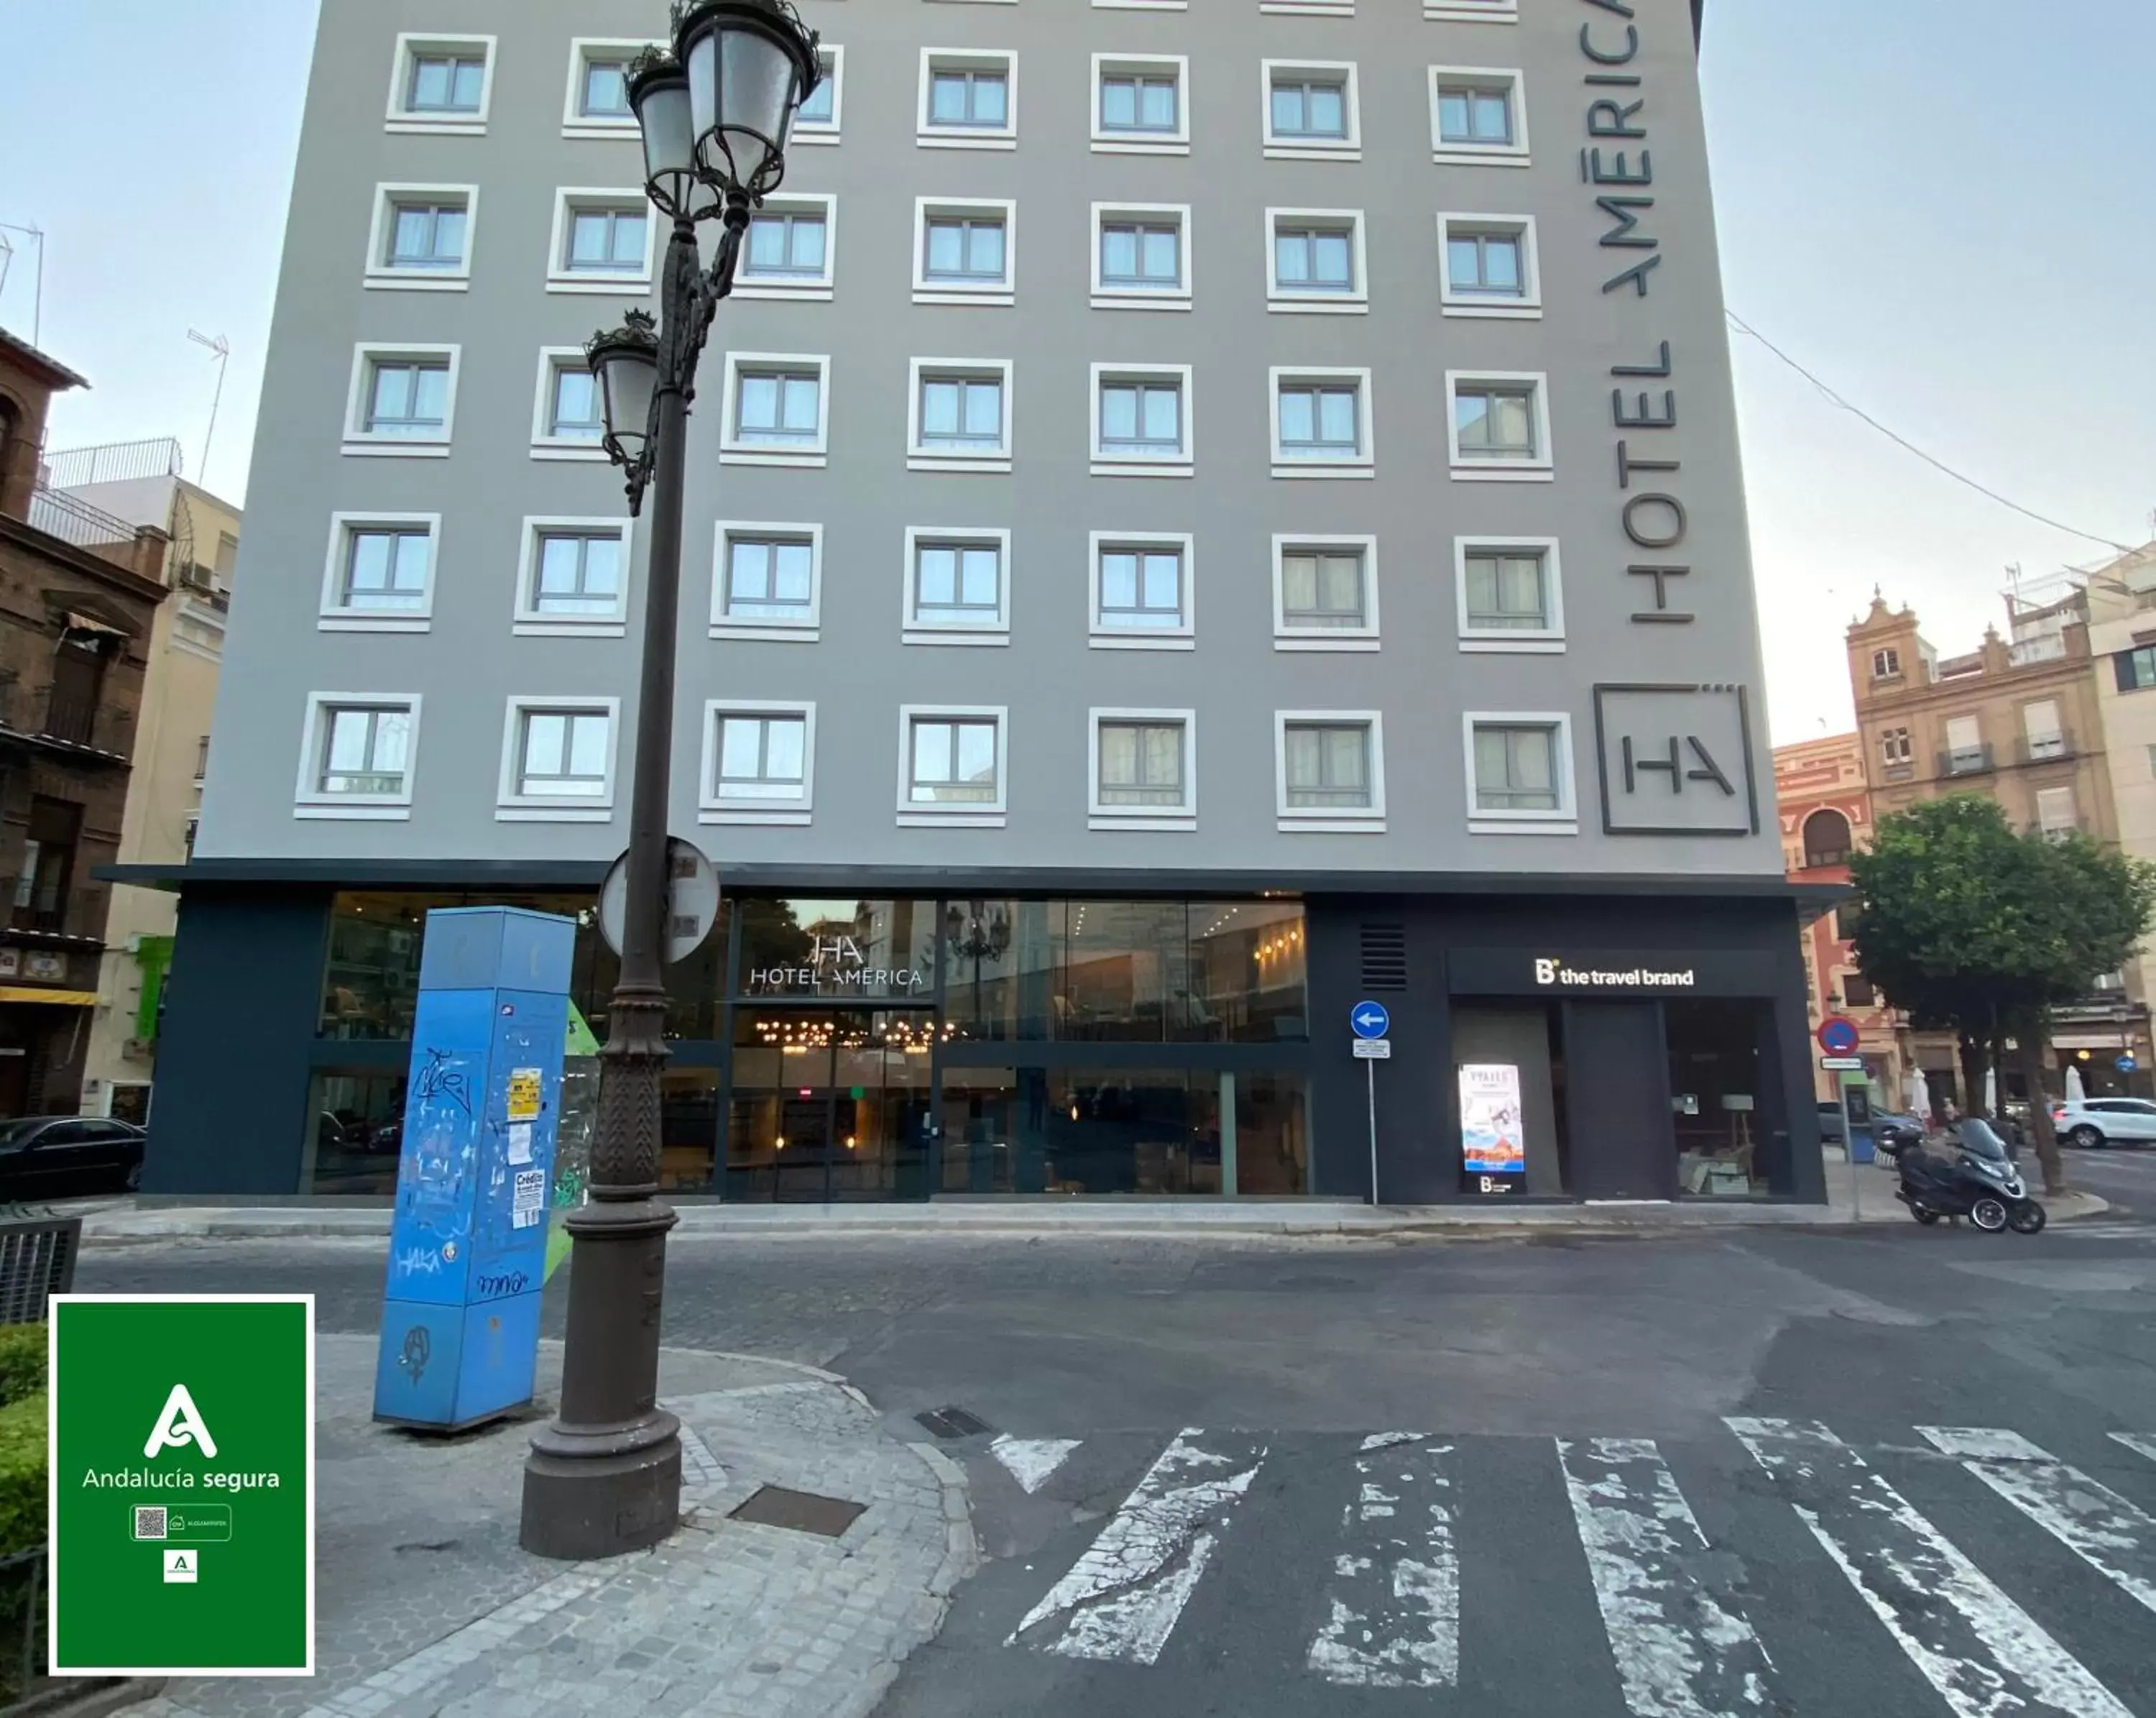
(1370, 1020)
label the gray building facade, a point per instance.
(1195, 515)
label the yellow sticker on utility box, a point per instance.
(523, 1094)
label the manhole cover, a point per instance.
(802, 1511)
(953, 1423)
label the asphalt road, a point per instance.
(1577, 1477)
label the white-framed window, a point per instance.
(1325, 592)
(958, 415)
(2057, 816)
(776, 409)
(573, 577)
(404, 401)
(767, 581)
(817, 119)
(957, 586)
(1141, 104)
(441, 85)
(1142, 256)
(1512, 594)
(1315, 261)
(1142, 593)
(378, 575)
(965, 250)
(1141, 5)
(1329, 770)
(566, 422)
(357, 754)
(604, 241)
(790, 247)
(1141, 421)
(1490, 265)
(1896, 747)
(1886, 663)
(968, 99)
(1322, 423)
(557, 759)
(1315, 8)
(759, 762)
(1311, 109)
(1142, 769)
(953, 766)
(1519, 773)
(597, 104)
(1500, 11)
(1497, 425)
(421, 238)
(1478, 116)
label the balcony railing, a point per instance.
(59, 514)
(95, 732)
(2046, 648)
(2046, 747)
(1966, 760)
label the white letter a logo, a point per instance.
(179, 1424)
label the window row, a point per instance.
(955, 584)
(560, 762)
(968, 99)
(775, 410)
(965, 251)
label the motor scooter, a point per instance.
(1968, 1173)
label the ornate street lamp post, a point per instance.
(605, 1475)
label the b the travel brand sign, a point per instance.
(1615, 974)
(181, 1487)
(1552, 973)
(836, 963)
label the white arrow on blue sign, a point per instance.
(1370, 1020)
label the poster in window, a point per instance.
(1492, 1133)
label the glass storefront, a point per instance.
(1717, 1099)
(824, 1047)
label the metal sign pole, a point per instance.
(1370, 1068)
(1849, 1146)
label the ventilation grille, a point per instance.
(1384, 957)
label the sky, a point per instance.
(1940, 208)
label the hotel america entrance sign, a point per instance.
(182, 1485)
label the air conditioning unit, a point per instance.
(197, 577)
(139, 1050)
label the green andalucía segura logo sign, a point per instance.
(183, 1488)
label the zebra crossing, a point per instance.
(1679, 1635)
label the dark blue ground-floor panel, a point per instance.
(858, 1037)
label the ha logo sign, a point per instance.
(178, 1550)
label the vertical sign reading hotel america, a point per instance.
(182, 1485)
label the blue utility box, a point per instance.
(468, 1245)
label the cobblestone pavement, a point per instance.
(426, 1605)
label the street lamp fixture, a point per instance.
(604, 1476)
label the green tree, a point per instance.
(1970, 926)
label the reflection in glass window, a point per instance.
(770, 578)
(605, 94)
(1134, 103)
(1141, 254)
(1141, 764)
(1473, 114)
(563, 753)
(1495, 423)
(1141, 588)
(445, 84)
(1309, 107)
(426, 235)
(364, 751)
(957, 584)
(962, 414)
(1507, 591)
(818, 106)
(577, 574)
(408, 396)
(1516, 768)
(1314, 260)
(1322, 588)
(385, 570)
(1318, 422)
(968, 98)
(964, 250)
(762, 756)
(1489, 264)
(572, 412)
(778, 409)
(606, 241)
(784, 244)
(953, 761)
(1142, 417)
(1328, 765)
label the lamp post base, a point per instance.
(597, 1504)
(605, 1476)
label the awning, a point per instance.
(80, 622)
(63, 999)
(2121, 1038)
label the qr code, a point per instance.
(149, 1523)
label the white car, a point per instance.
(2106, 1121)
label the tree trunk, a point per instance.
(1972, 1049)
(2030, 1039)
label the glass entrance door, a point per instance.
(829, 1104)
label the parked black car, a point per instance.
(55, 1156)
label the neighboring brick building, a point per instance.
(1825, 803)
(78, 596)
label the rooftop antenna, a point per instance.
(221, 349)
(37, 290)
